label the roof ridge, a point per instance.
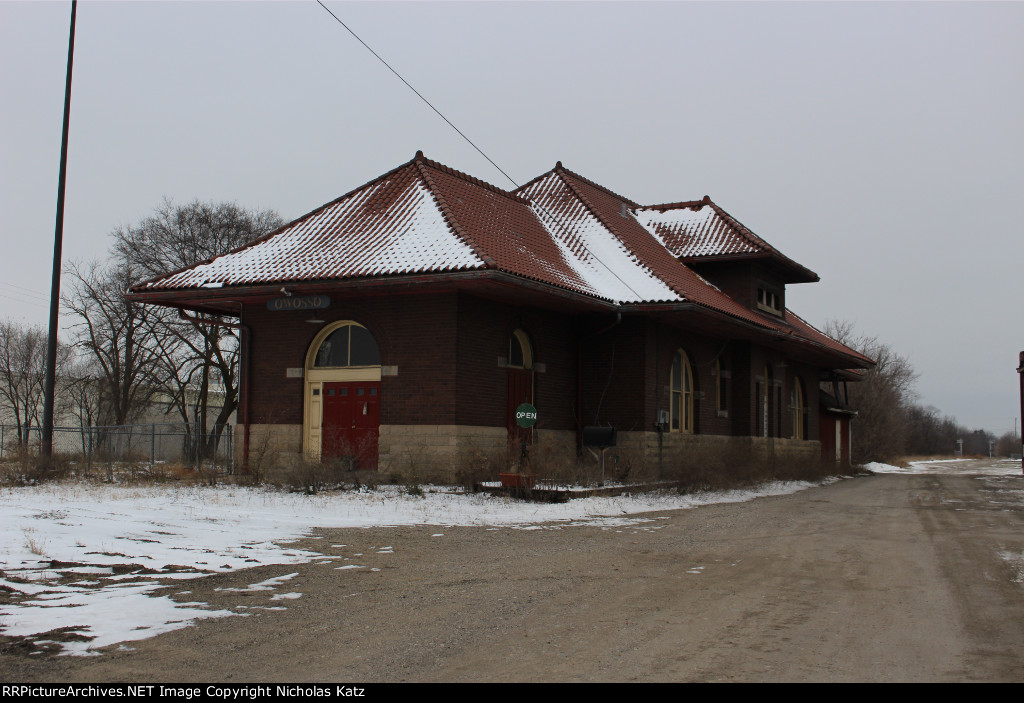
(560, 167)
(423, 160)
(745, 231)
(608, 226)
(447, 213)
(675, 206)
(535, 179)
(757, 239)
(286, 225)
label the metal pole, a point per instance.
(46, 448)
(1020, 372)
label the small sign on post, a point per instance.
(526, 415)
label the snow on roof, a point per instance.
(426, 217)
(390, 226)
(560, 229)
(701, 229)
(694, 229)
(591, 249)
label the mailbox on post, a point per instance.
(602, 438)
(594, 436)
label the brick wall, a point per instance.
(448, 348)
(484, 330)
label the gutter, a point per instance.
(189, 297)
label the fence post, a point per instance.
(152, 447)
(88, 458)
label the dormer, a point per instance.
(725, 252)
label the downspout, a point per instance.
(579, 378)
(243, 382)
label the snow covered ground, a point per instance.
(979, 467)
(85, 559)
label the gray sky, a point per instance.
(879, 144)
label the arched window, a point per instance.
(520, 351)
(682, 393)
(798, 405)
(349, 345)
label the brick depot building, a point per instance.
(402, 324)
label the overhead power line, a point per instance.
(554, 219)
(420, 95)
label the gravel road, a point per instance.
(875, 578)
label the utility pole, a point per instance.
(58, 238)
(1020, 373)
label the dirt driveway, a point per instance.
(878, 578)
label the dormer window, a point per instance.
(769, 300)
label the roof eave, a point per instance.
(839, 358)
(791, 271)
(220, 299)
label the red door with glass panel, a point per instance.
(520, 390)
(351, 424)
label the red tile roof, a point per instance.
(560, 229)
(701, 230)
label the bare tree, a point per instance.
(119, 336)
(199, 360)
(1008, 444)
(82, 390)
(880, 399)
(176, 236)
(22, 373)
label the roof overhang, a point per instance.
(506, 288)
(698, 318)
(840, 411)
(488, 283)
(787, 269)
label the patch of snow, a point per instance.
(185, 533)
(1016, 562)
(591, 250)
(286, 596)
(268, 585)
(977, 467)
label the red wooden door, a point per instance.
(351, 424)
(520, 390)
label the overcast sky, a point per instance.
(881, 145)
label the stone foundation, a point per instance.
(441, 452)
(467, 453)
(267, 443)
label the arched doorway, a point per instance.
(341, 419)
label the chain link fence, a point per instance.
(149, 446)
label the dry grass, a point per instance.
(35, 544)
